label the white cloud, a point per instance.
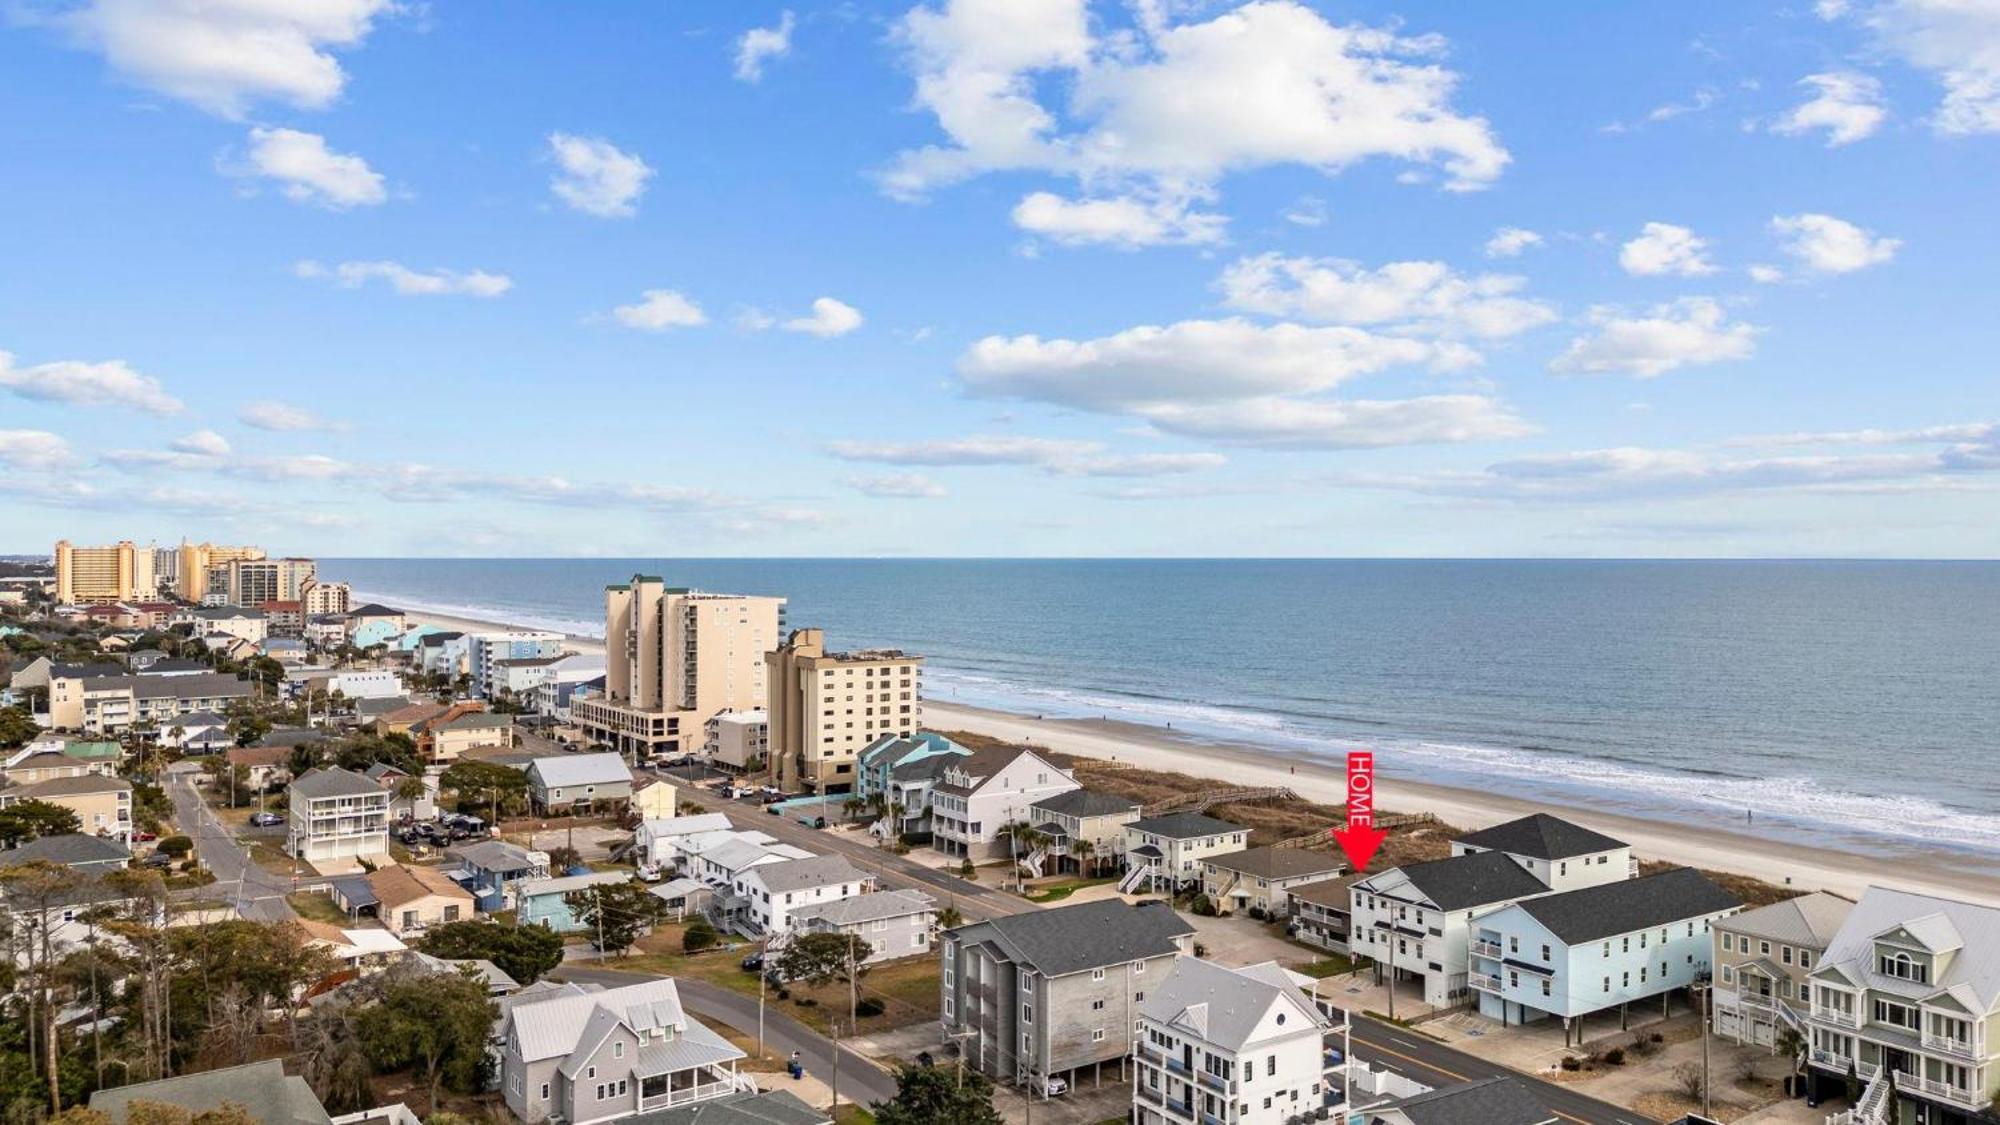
(761, 44)
(309, 172)
(224, 55)
(829, 318)
(1987, 433)
(1689, 332)
(33, 449)
(1509, 242)
(659, 310)
(1847, 105)
(902, 486)
(1959, 42)
(1703, 99)
(1126, 222)
(1164, 113)
(1663, 248)
(1825, 244)
(202, 443)
(597, 177)
(1353, 424)
(1054, 456)
(1766, 274)
(1306, 211)
(82, 383)
(1419, 297)
(283, 417)
(407, 281)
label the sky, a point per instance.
(1002, 277)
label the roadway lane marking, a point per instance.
(1435, 1069)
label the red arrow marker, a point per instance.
(1360, 839)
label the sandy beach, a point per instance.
(1713, 845)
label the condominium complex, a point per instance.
(320, 598)
(826, 707)
(252, 582)
(198, 560)
(674, 659)
(121, 572)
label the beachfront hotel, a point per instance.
(1906, 1005)
(674, 659)
(121, 572)
(826, 707)
(195, 565)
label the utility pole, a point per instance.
(763, 974)
(1701, 992)
(836, 1067)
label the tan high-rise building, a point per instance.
(320, 598)
(675, 658)
(191, 583)
(121, 572)
(252, 582)
(827, 707)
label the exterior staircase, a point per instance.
(1134, 878)
(1221, 898)
(1872, 1109)
(1032, 862)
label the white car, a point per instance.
(1056, 1087)
(650, 873)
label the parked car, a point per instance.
(266, 820)
(813, 821)
(157, 859)
(773, 798)
(144, 837)
(753, 962)
(650, 873)
(1056, 1087)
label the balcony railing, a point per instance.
(1483, 982)
(1949, 1046)
(1215, 1082)
(1936, 1089)
(1838, 1019)
(1487, 949)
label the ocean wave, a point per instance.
(1797, 801)
(499, 616)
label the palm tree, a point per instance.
(1085, 853)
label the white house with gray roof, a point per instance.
(1573, 953)
(1083, 830)
(975, 799)
(1907, 998)
(1049, 992)
(1564, 856)
(1246, 1046)
(602, 1056)
(769, 892)
(337, 816)
(566, 781)
(895, 924)
(1167, 852)
(1414, 921)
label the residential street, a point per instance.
(256, 893)
(1435, 1064)
(860, 1079)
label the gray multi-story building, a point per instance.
(600, 1056)
(1034, 996)
(893, 923)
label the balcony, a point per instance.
(1944, 1045)
(1930, 1087)
(1483, 982)
(1487, 949)
(1837, 1019)
(1221, 1085)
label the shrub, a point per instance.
(1202, 906)
(1571, 1062)
(1688, 1081)
(700, 935)
(176, 845)
(784, 993)
(806, 1002)
(1257, 914)
(1643, 1046)
(869, 1007)
(1615, 1057)
(965, 868)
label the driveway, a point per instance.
(256, 893)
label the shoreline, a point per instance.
(1860, 860)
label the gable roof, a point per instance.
(1279, 863)
(398, 884)
(258, 755)
(262, 1088)
(1541, 836)
(374, 609)
(772, 1107)
(1610, 909)
(1471, 880)
(1089, 935)
(1086, 802)
(565, 884)
(1224, 1006)
(870, 907)
(1809, 920)
(333, 782)
(72, 787)
(581, 769)
(798, 874)
(1185, 826)
(71, 847)
(494, 855)
(1972, 976)
(1489, 1101)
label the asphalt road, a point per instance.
(256, 893)
(1435, 1064)
(860, 1079)
(974, 901)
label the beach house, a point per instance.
(895, 924)
(103, 805)
(338, 817)
(1239, 1045)
(977, 797)
(1322, 913)
(1486, 1101)
(1764, 960)
(1166, 852)
(1046, 993)
(492, 869)
(1414, 921)
(1082, 832)
(578, 782)
(411, 899)
(1906, 1000)
(601, 1056)
(655, 843)
(771, 891)
(545, 902)
(1258, 879)
(1572, 953)
(1561, 855)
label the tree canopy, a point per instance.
(617, 913)
(17, 727)
(435, 1023)
(926, 1095)
(31, 820)
(820, 958)
(522, 952)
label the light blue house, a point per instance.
(540, 902)
(494, 869)
(409, 639)
(875, 764)
(1570, 954)
(372, 632)
(484, 652)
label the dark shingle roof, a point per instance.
(772, 1107)
(1489, 1101)
(1542, 836)
(262, 1088)
(1629, 904)
(1473, 880)
(1279, 863)
(1086, 802)
(1185, 826)
(374, 609)
(1090, 935)
(74, 847)
(932, 768)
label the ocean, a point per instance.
(1825, 699)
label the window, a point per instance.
(1545, 986)
(545, 1091)
(618, 1050)
(1805, 959)
(1138, 967)
(1097, 1005)
(1027, 1013)
(1271, 1065)
(1097, 974)
(1097, 1035)
(1729, 943)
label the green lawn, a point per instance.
(1056, 892)
(1331, 966)
(908, 989)
(316, 907)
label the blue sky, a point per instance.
(1001, 277)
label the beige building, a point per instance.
(1259, 878)
(674, 659)
(1763, 959)
(197, 559)
(413, 899)
(121, 572)
(1083, 830)
(103, 805)
(738, 740)
(826, 707)
(252, 582)
(321, 598)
